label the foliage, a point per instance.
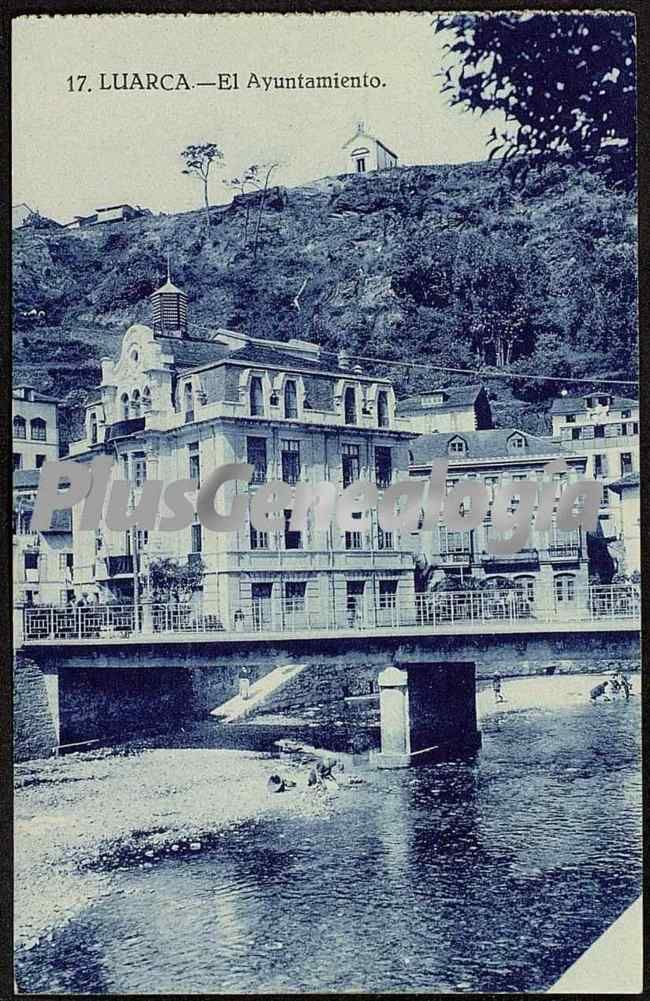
(565, 83)
(173, 581)
(199, 158)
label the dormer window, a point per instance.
(517, 442)
(256, 397)
(290, 400)
(382, 409)
(350, 406)
(457, 446)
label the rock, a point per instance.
(195, 846)
(174, 848)
(275, 784)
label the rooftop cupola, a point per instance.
(169, 307)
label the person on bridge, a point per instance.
(496, 688)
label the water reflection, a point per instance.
(486, 876)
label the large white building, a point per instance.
(172, 407)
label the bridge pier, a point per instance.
(427, 712)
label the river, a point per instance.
(491, 876)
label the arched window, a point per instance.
(146, 399)
(382, 409)
(38, 429)
(350, 406)
(135, 403)
(93, 428)
(256, 397)
(290, 400)
(20, 427)
(188, 402)
(124, 400)
(516, 442)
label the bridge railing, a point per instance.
(429, 611)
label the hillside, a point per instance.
(448, 265)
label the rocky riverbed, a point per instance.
(77, 818)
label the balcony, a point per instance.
(525, 557)
(453, 558)
(567, 553)
(444, 612)
(119, 565)
(123, 428)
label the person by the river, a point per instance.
(603, 690)
(244, 683)
(496, 688)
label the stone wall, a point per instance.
(35, 722)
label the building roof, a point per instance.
(36, 397)
(578, 404)
(109, 208)
(168, 287)
(492, 444)
(362, 134)
(454, 397)
(629, 480)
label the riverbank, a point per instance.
(77, 817)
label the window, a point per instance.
(575, 434)
(40, 460)
(516, 442)
(383, 418)
(66, 597)
(20, 427)
(31, 561)
(570, 418)
(135, 403)
(197, 536)
(361, 165)
(290, 400)
(354, 600)
(599, 431)
(605, 499)
(18, 460)
(146, 399)
(292, 540)
(188, 402)
(194, 462)
(453, 542)
(457, 446)
(259, 540)
(600, 465)
(93, 428)
(350, 405)
(626, 413)
(387, 593)
(383, 466)
(139, 468)
(626, 463)
(294, 593)
(565, 588)
(525, 588)
(124, 404)
(290, 452)
(384, 539)
(38, 429)
(353, 539)
(256, 457)
(66, 561)
(256, 397)
(350, 463)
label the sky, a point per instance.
(76, 151)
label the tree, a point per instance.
(566, 84)
(171, 580)
(198, 163)
(265, 169)
(250, 178)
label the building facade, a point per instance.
(364, 152)
(172, 407)
(461, 408)
(35, 428)
(552, 568)
(628, 519)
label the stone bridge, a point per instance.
(109, 688)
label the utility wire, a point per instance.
(480, 373)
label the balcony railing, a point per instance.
(444, 610)
(117, 565)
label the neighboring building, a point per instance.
(606, 429)
(173, 407)
(628, 518)
(364, 152)
(20, 214)
(553, 567)
(42, 561)
(110, 213)
(461, 408)
(35, 428)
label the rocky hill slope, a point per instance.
(449, 266)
